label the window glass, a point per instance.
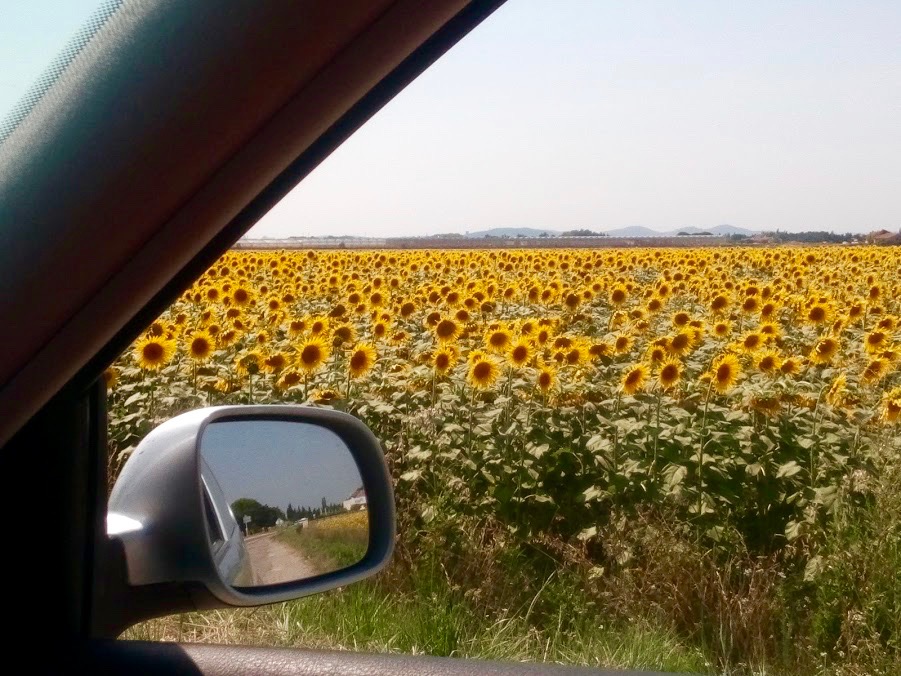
(616, 286)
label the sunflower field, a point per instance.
(747, 398)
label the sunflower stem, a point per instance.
(701, 450)
(656, 434)
(472, 395)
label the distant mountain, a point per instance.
(636, 231)
(512, 232)
(641, 231)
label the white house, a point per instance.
(357, 500)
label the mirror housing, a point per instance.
(156, 511)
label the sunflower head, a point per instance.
(362, 359)
(446, 330)
(275, 362)
(824, 350)
(891, 406)
(623, 344)
(154, 352)
(790, 366)
(769, 362)
(670, 374)
(483, 373)
(547, 378)
(311, 354)
(444, 359)
(248, 363)
(520, 353)
(498, 340)
(875, 341)
(200, 346)
(634, 379)
(875, 370)
(111, 377)
(724, 373)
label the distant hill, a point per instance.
(637, 231)
(641, 231)
(512, 232)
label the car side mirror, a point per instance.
(254, 504)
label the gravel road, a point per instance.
(273, 561)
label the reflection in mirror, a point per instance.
(284, 501)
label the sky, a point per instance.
(598, 114)
(279, 462)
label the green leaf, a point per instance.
(789, 469)
(598, 443)
(587, 534)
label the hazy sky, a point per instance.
(600, 114)
(277, 462)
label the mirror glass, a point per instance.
(284, 501)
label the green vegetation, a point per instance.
(425, 616)
(695, 444)
(330, 543)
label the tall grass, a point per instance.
(432, 619)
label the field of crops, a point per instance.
(744, 397)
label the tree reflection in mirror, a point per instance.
(284, 500)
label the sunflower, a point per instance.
(311, 354)
(521, 353)
(634, 379)
(343, 333)
(381, 328)
(447, 330)
(154, 352)
(600, 349)
(656, 354)
(818, 313)
(891, 406)
(483, 373)
(670, 374)
(362, 359)
(875, 341)
(444, 359)
(875, 370)
(790, 367)
(751, 342)
(722, 329)
(499, 339)
(719, 303)
(289, 378)
(318, 325)
(835, 396)
(200, 346)
(622, 344)
(619, 295)
(241, 296)
(824, 350)
(248, 363)
(111, 377)
(681, 318)
(724, 373)
(681, 343)
(275, 362)
(769, 362)
(547, 378)
(750, 305)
